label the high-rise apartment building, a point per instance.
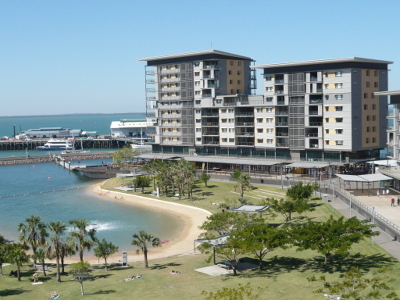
(326, 109)
(323, 110)
(182, 92)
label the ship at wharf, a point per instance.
(18, 145)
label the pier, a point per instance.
(19, 160)
(17, 145)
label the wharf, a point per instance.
(15, 145)
(19, 160)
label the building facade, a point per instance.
(323, 110)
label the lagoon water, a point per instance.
(56, 194)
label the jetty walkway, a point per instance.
(19, 160)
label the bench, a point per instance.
(40, 267)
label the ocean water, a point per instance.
(56, 194)
(99, 122)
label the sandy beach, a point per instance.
(181, 244)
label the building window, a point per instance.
(367, 128)
(198, 129)
(231, 110)
(238, 81)
(372, 96)
(339, 131)
(269, 141)
(239, 63)
(198, 139)
(198, 120)
(269, 99)
(339, 97)
(338, 85)
(339, 120)
(326, 97)
(373, 106)
(327, 142)
(326, 120)
(196, 64)
(269, 120)
(229, 72)
(375, 73)
(367, 140)
(365, 95)
(326, 74)
(223, 120)
(231, 120)
(231, 140)
(231, 63)
(338, 108)
(223, 110)
(367, 72)
(268, 88)
(196, 73)
(198, 101)
(373, 118)
(269, 130)
(259, 120)
(326, 131)
(224, 129)
(367, 84)
(373, 128)
(259, 141)
(326, 85)
(326, 108)
(230, 81)
(231, 130)
(269, 109)
(197, 83)
(373, 140)
(338, 74)
(365, 106)
(197, 93)
(268, 77)
(259, 130)
(224, 140)
(368, 118)
(198, 111)
(259, 110)
(375, 84)
(237, 91)
(238, 72)
(339, 142)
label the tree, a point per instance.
(40, 257)
(335, 236)
(143, 240)
(358, 286)
(287, 207)
(16, 255)
(236, 173)
(152, 168)
(84, 236)
(243, 184)
(80, 273)
(104, 250)
(33, 233)
(224, 223)
(126, 154)
(141, 181)
(204, 177)
(3, 253)
(260, 239)
(56, 243)
(242, 292)
(301, 192)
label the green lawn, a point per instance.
(285, 276)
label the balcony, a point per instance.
(151, 98)
(171, 116)
(281, 113)
(244, 134)
(281, 124)
(312, 134)
(209, 114)
(245, 143)
(244, 124)
(279, 92)
(150, 72)
(210, 133)
(210, 124)
(314, 146)
(170, 71)
(216, 86)
(211, 67)
(206, 95)
(282, 145)
(313, 79)
(244, 114)
(315, 124)
(313, 112)
(316, 101)
(282, 134)
(279, 81)
(170, 125)
(150, 81)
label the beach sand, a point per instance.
(183, 242)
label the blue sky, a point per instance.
(80, 56)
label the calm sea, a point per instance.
(56, 194)
(99, 122)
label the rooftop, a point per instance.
(324, 61)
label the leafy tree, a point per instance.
(288, 206)
(123, 155)
(242, 292)
(152, 168)
(104, 250)
(301, 192)
(80, 273)
(243, 184)
(118, 158)
(184, 174)
(236, 173)
(56, 243)
(141, 181)
(143, 240)
(40, 257)
(33, 233)
(260, 239)
(3, 253)
(335, 236)
(358, 286)
(224, 223)
(16, 255)
(84, 236)
(204, 177)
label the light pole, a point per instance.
(351, 198)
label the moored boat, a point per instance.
(54, 144)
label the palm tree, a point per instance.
(40, 257)
(3, 253)
(57, 229)
(143, 240)
(17, 255)
(80, 234)
(33, 233)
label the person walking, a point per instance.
(392, 201)
(398, 201)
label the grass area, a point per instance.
(285, 276)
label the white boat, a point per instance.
(75, 150)
(140, 146)
(54, 144)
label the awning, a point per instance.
(385, 162)
(307, 165)
(364, 178)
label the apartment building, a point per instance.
(183, 92)
(326, 109)
(323, 110)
